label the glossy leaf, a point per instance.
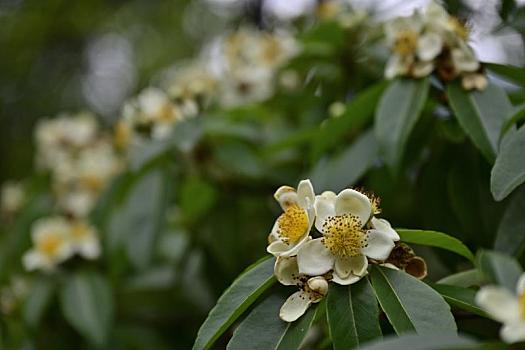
(510, 238)
(422, 342)
(435, 239)
(482, 115)
(509, 170)
(462, 298)
(517, 116)
(264, 330)
(397, 114)
(499, 268)
(136, 223)
(345, 169)
(513, 73)
(35, 305)
(353, 314)
(87, 304)
(411, 305)
(358, 112)
(234, 301)
(463, 279)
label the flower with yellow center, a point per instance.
(507, 308)
(51, 244)
(291, 228)
(85, 240)
(347, 241)
(311, 289)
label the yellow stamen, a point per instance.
(79, 230)
(406, 42)
(93, 183)
(343, 235)
(49, 246)
(459, 28)
(522, 304)
(293, 224)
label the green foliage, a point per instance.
(499, 269)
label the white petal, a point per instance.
(286, 270)
(520, 286)
(90, 248)
(379, 245)
(346, 281)
(324, 207)
(280, 248)
(390, 266)
(314, 258)
(513, 332)
(500, 303)
(429, 46)
(350, 201)
(286, 196)
(355, 265)
(33, 260)
(305, 194)
(422, 69)
(384, 226)
(295, 306)
(464, 60)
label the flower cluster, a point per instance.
(507, 308)
(12, 199)
(350, 236)
(247, 62)
(80, 159)
(432, 41)
(56, 239)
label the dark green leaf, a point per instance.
(509, 170)
(264, 330)
(87, 304)
(435, 239)
(517, 116)
(397, 114)
(358, 112)
(411, 305)
(37, 301)
(353, 314)
(346, 168)
(196, 197)
(499, 269)
(463, 279)
(422, 342)
(482, 115)
(136, 223)
(462, 298)
(513, 73)
(510, 238)
(234, 301)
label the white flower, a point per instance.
(84, 240)
(77, 202)
(464, 59)
(13, 197)
(51, 242)
(507, 308)
(346, 243)
(291, 229)
(312, 289)
(429, 46)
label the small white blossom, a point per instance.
(12, 197)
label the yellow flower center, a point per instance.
(93, 183)
(406, 42)
(522, 304)
(293, 223)
(79, 230)
(459, 28)
(344, 235)
(49, 246)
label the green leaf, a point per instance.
(513, 73)
(358, 112)
(234, 301)
(422, 342)
(87, 304)
(353, 314)
(517, 116)
(34, 307)
(462, 298)
(264, 330)
(482, 115)
(411, 305)
(197, 196)
(436, 239)
(136, 223)
(499, 268)
(397, 114)
(510, 238)
(463, 279)
(346, 168)
(509, 170)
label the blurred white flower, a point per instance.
(84, 240)
(291, 229)
(13, 197)
(312, 289)
(507, 308)
(51, 244)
